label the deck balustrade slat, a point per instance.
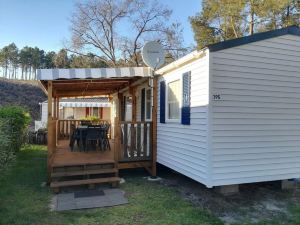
(125, 141)
(145, 140)
(132, 141)
(138, 139)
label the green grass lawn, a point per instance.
(24, 201)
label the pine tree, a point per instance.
(227, 19)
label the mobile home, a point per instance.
(76, 109)
(230, 113)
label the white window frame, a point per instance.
(129, 119)
(145, 104)
(177, 78)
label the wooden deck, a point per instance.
(63, 155)
(72, 168)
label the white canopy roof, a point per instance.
(92, 73)
(84, 102)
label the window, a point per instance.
(173, 100)
(95, 111)
(148, 104)
(128, 108)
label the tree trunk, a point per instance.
(22, 72)
(6, 68)
(251, 26)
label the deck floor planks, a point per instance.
(64, 157)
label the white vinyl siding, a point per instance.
(183, 148)
(255, 125)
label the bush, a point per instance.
(16, 121)
(93, 119)
(7, 153)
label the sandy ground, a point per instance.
(253, 203)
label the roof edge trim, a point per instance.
(182, 61)
(294, 30)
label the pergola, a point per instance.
(60, 83)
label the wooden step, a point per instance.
(69, 164)
(58, 184)
(83, 172)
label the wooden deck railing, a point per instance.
(64, 127)
(135, 141)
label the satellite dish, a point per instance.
(153, 54)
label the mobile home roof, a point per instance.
(293, 30)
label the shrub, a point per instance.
(16, 121)
(93, 119)
(7, 153)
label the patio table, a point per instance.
(83, 132)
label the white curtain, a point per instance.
(173, 99)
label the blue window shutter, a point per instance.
(143, 104)
(162, 102)
(186, 99)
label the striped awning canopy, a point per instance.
(92, 73)
(84, 102)
(89, 81)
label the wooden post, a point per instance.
(154, 126)
(57, 108)
(117, 144)
(117, 128)
(50, 130)
(132, 126)
(57, 120)
(132, 93)
(54, 108)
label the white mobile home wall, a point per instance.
(255, 126)
(250, 132)
(184, 148)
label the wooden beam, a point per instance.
(54, 107)
(154, 125)
(50, 98)
(135, 83)
(134, 103)
(57, 120)
(117, 128)
(91, 83)
(57, 107)
(117, 143)
(131, 165)
(42, 86)
(73, 93)
(108, 80)
(50, 130)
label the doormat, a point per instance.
(90, 199)
(88, 193)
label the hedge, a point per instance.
(14, 121)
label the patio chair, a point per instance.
(75, 136)
(92, 136)
(104, 141)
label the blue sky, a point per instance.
(45, 23)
